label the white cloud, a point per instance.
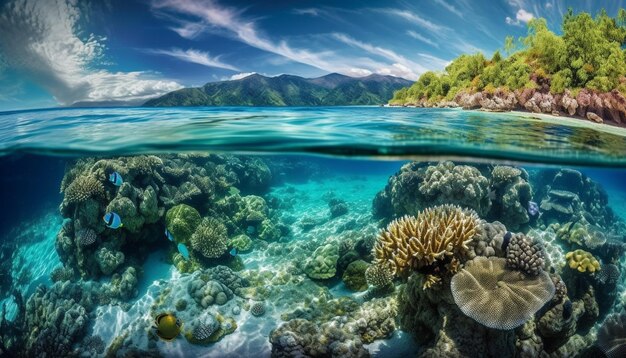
(41, 38)
(418, 20)
(522, 16)
(449, 7)
(401, 66)
(424, 39)
(194, 56)
(309, 11)
(239, 76)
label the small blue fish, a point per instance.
(112, 220)
(533, 208)
(233, 252)
(183, 251)
(116, 179)
(169, 235)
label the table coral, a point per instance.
(484, 290)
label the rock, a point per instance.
(594, 117)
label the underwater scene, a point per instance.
(152, 252)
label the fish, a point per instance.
(116, 179)
(506, 240)
(167, 326)
(533, 208)
(112, 220)
(182, 248)
(169, 235)
(233, 252)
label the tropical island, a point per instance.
(579, 73)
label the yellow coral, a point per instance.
(419, 241)
(582, 261)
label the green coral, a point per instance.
(210, 238)
(182, 221)
(127, 211)
(323, 263)
(242, 243)
(354, 276)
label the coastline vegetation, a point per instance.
(588, 54)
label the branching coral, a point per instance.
(499, 298)
(411, 243)
(210, 238)
(582, 261)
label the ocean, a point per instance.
(313, 231)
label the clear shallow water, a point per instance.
(366, 131)
(311, 222)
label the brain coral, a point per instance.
(323, 263)
(182, 220)
(612, 335)
(210, 238)
(496, 297)
(414, 242)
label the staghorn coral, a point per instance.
(210, 238)
(582, 261)
(496, 297)
(433, 235)
(83, 188)
(512, 195)
(323, 263)
(612, 336)
(525, 254)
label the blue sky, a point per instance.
(59, 52)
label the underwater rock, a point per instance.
(477, 291)
(560, 206)
(323, 263)
(337, 207)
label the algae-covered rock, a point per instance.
(109, 260)
(182, 221)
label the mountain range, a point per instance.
(286, 90)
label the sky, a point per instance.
(62, 52)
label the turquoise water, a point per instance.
(288, 216)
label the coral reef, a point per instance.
(210, 238)
(525, 254)
(242, 243)
(582, 261)
(484, 289)
(354, 275)
(182, 221)
(434, 235)
(337, 207)
(206, 293)
(109, 260)
(379, 276)
(512, 194)
(323, 263)
(612, 335)
(257, 309)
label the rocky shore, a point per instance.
(608, 107)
